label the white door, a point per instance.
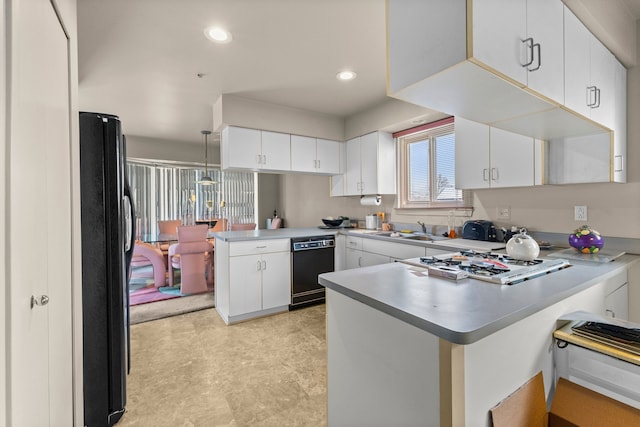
(545, 25)
(276, 279)
(352, 170)
(245, 294)
(39, 220)
(512, 159)
(369, 163)
(576, 63)
(303, 154)
(328, 154)
(499, 27)
(472, 154)
(243, 147)
(602, 76)
(276, 151)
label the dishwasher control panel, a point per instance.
(312, 243)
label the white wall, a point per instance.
(140, 147)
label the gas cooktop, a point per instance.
(489, 266)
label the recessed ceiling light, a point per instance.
(346, 75)
(217, 34)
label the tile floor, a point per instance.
(193, 370)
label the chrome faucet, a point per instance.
(424, 227)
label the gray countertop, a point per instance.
(467, 310)
(278, 233)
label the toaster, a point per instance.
(479, 230)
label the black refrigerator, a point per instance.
(107, 247)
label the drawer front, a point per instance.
(392, 249)
(251, 247)
(354, 243)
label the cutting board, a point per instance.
(602, 256)
(476, 245)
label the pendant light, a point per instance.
(206, 179)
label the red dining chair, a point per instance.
(193, 256)
(145, 254)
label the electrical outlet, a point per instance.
(503, 212)
(580, 213)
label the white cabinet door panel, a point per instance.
(303, 153)
(545, 25)
(353, 258)
(245, 294)
(471, 154)
(276, 151)
(577, 63)
(512, 159)
(603, 78)
(243, 147)
(369, 163)
(276, 280)
(352, 173)
(498, 30)
(328, 156)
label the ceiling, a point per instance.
(149, 62)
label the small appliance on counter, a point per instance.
(479, 230)
(371, 222)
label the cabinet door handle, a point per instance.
(494, 174)
(352, 243)
(261, 247)
(610, 313)
(258, 159)
(359, 261)
(529, 43)
(318, 164)
(264, 265)
(258, 266)
(264, 159)
(618, 165)
(485, 174)
(362, 186)
(591, 90)
(537, 48)
(597, 98)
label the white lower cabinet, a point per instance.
(364, 252)
(253, 278)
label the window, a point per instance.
(163, 191)
(427, 167)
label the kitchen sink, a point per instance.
(419, 237)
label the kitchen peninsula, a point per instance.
(408, 349)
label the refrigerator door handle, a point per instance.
(128, 223)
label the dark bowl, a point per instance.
(332, 222)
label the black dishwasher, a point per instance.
(310, 256)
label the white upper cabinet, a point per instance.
(488, 157)
(338, 182)
(275, 151)
(328, 156)
(589, 73)
(315, 155)
(254, 149)
(504, 66)
(513, 37)
(370, 165)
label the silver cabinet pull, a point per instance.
(485, 174)
(610, 313)
(529, 43)
(318, 164)
(618, 165)
(536, 46)
(494, 174)
(41, 300)
(264, 159)
(258, 266)
(264, 265)
(258, 158)
(597, 105)
(591, 90)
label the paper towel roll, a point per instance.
(370, 200)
